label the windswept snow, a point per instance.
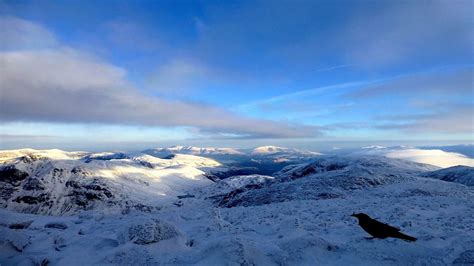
(136, 209)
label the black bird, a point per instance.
(378, 229)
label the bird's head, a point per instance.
(360, 215)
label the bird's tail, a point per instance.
(404, 237)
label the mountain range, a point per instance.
(215, 206)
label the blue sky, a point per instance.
(77, 74)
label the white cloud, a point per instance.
(434, 157)
(66, 85)
(18, 34)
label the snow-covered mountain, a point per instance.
(44, 182)
(263, 150)
(266, 150)
(263, 160)
(54, 154)
(120, 208)
(192, 150)
(326, 177)
(458, 174)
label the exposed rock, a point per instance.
(73, 184)
(6, 192)
(33, 184)
(10, 174)
(149, 231)
(61, 226)
(32, 199)
(32, 158)
(185, 196)
(21, 225)
(79, 171)
(146, 164)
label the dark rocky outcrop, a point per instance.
(56, 225)
(10, 174)
(149, 231)
(32, 199)
(33, 184)
(20, 225)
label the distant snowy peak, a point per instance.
(209, 151)
(373, 147)
(194, 161)
(458, 174)
(195, 150)
(267, 150)
(32, 154)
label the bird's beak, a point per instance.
(353, 215)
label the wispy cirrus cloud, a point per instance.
(331, 68)
(436, 101)
(297, 95)
(434, 83)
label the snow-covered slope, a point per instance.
(326, 177)
(39, 184)
(458, 174)
(298, 216)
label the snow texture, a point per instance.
(138, 209)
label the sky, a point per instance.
(132, 74)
